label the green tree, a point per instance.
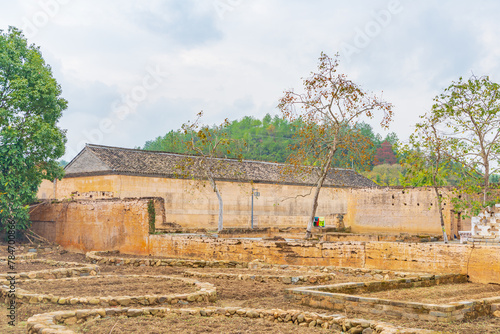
(30, 140)
(467, 113)
(385, 175)
(269, 139)
(426, 159)
(329, 109)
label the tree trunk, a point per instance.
(486, 181)
(435, 183)
(440, 208)
(220, 225)
(313, 209)
(321, 180)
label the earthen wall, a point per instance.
(193, 205)
(86, 225)
(123, 225)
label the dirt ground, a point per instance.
(338, 277)
(230, 293)
(63, 255)
(191, 325)
(108, 286)
(440, 294)
(483, 325)
(22, 267)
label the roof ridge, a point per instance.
(194, 155)
(139, 161)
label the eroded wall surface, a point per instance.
(189, 204)
(393, 210)
(192, 204)
(95, 225)
(122, 225)
(481, 263)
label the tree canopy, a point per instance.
(267, 139)
(30, 140)
(427, 160)
(467, 115)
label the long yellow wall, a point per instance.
(122, 225)
(194, 205)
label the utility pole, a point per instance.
(257, 194)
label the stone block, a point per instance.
(440, 314)
(427, 317)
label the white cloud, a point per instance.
(239, 61)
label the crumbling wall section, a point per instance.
(481, 263)
(123, 225)
(396, 210)
(486, 226)
(191, 206)
(84, 225)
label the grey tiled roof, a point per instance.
(96, 159)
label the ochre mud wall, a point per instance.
(279, 252)
(371, 210)
(395, 210)
(192, 204)
(123, 225)
(481, 263)
(95, 225)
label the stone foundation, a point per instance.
(107, 258)
(481, 263)
(75, 269)
(342, 297)
(206, 292)
(25, 256)
(123, 225)
(52, 322)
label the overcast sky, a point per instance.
(134, 70)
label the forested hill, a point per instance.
(270, 139)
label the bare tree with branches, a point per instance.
(211, 146)
(329, 108)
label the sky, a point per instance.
(134, 70)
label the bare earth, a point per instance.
(441, 294)
(191, 325)
(22, 267)
(109, 286)
(483, 325)
(230, 293)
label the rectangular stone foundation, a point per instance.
(340, 297)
